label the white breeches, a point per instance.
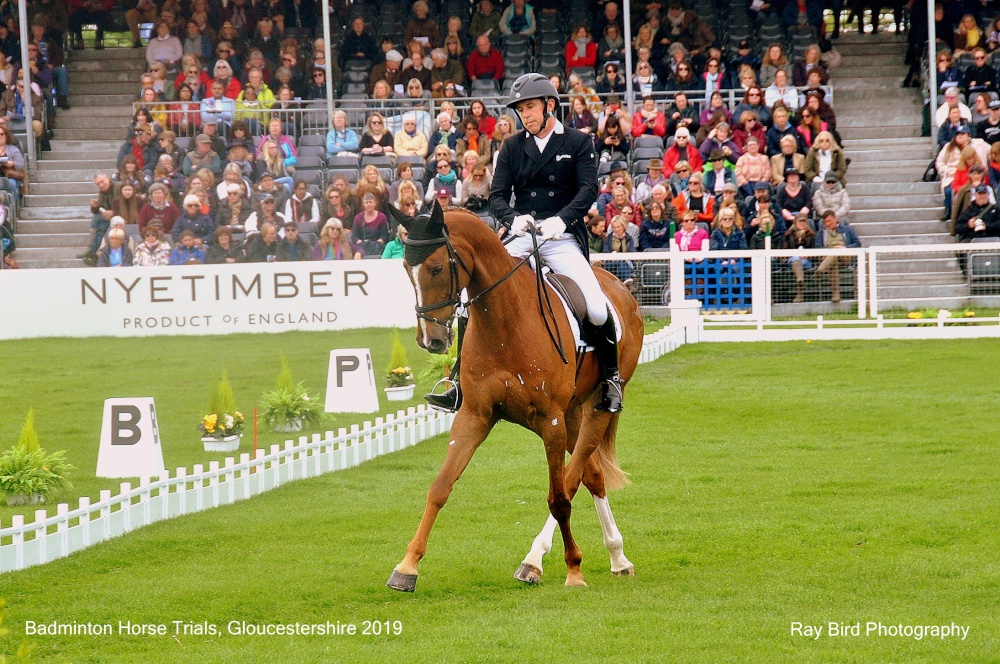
(563, 256)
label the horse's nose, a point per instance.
(437, 346)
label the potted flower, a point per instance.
(222, 427)
(399, 379)
(27, 474)
(289, 406)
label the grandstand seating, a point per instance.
(730, 19)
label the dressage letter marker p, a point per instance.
(130, 439)
(350, 383)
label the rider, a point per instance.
(552, 172)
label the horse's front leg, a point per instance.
(467, 432)
(560, 495)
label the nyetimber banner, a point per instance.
(205, 299)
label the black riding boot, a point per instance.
(451, 399)
(606, 350)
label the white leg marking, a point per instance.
(542, 543)
(612, 537)
(421, 323)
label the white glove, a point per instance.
(521, 224)
(552, 227)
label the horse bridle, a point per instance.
(455, 300)
(454, 261)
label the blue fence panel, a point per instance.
(721, 284)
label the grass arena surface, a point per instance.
(772, 484)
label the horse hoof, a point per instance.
(575, 582)
(628, 571)
(406, 583)
(528, 573)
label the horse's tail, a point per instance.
(607, 457)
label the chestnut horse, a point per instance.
(512, 370)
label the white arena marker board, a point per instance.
(130, 439)
(350, 383)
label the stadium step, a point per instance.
(50, 253)
(45, 226)
(104, 75)
(100, 100)
(75, 164)
(36, 263)
(890, 240)
(856, 68)
(897, 214)
(860, 156)
(105, 152)
(56, 200)
(63, 239)
(71, 175)
(891, 201)
(866, 229)
(62, 187)
(880, 189)
(865, 133)
(868, 119)
(62, 213)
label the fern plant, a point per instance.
(26, 470)
(290, 401)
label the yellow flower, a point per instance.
(914, 315)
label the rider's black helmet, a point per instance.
(531, 86)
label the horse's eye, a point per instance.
(436, 270)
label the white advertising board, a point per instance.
(205, 299)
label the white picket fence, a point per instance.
(48, 538)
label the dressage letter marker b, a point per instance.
(130, 439)
(125, 419)
(350, 383)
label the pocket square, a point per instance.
(560, 157)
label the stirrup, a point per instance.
(450, 400)
(612, 399)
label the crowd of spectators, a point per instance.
(213, 168)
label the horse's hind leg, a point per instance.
(530, 570)
(593, 479)
(467, 432)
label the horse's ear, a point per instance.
(437, 215)
(401, 219)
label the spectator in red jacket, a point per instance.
(89, 12)
(649, 120)
(485, 62)
(581, 51)
(681, 150)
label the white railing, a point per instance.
(658, 344)
(932, 276)
(761, 284)
(878, 328)
(48, 538)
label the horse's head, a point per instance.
(433, 267)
